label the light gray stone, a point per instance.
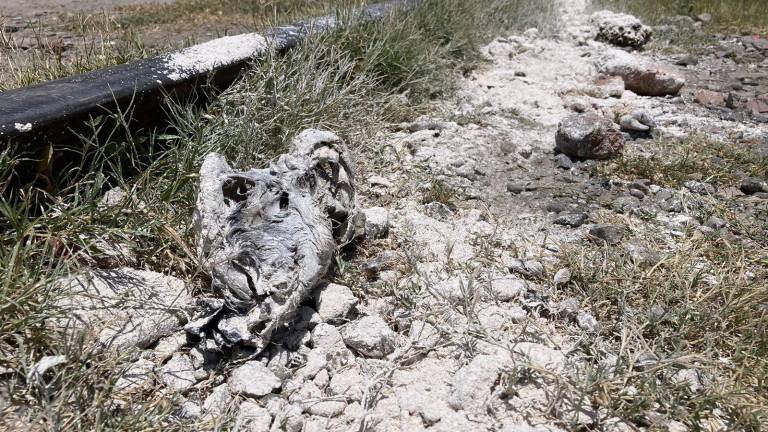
(508, 288)
(217, 403)
(138, 375)
(588, 136)
(376, 222)
(253, 379)
(473, 383)
(348, 383)
(252, 417)
(620, 29)
(179, 373)
(562, 277)
(370, 336)
(124, 307)
(334, 302)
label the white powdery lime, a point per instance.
(216, 53)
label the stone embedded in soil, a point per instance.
(631, 124)
(424, 334)
(715, 222)
(701, 188)
(253, 379)
(334, 302)
(563, 161)
(753, 185)
(370, 336)
(348, 383)
(587, 322)
(179, 373)
(123, 307)
(540, 355)
(573, 220)
(376, 222)
(218, 401)
(508, 288)
(473, 383)
(621, 29)
(138, 375)
(562, 277)
(533, 267)
(252, 417)
(588, 136)
(610, 234)
(709, 98)
(653, 80)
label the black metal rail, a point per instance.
(51, 112)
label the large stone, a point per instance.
(123, 308)
(508, 288)
(370, 336)
(253, 379)
(473, 383)
(253, 418)
(640, 76)
(376, 222)
(620, 29)
(334, 302)
(653, 80)
(179, 373)
(588, 136)
(607, 233)
(753, 185)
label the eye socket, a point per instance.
(236, 188)
(284, 200)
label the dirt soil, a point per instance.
(35, 8)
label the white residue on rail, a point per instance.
(212, 54)
(23, 127)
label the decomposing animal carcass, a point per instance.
(268, 236)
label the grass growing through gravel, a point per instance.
(700, 308)
(733, 14)
(350, 81)
(671, 162)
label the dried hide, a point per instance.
(268, 236)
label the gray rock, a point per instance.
(631, 124)
(691, 377)
(533, 268)
(123, 307)
(190, 411)
(253, 379)
(701, 188)
(753, 185)
(587, 322)
(217, 403)
(653, 80)
(179, 373)
(508, 288)
(376, 222)
(637, 193)
(562, 277)
(607, 233)
(370, 336)
(138, 375)
(424, 334)
(620, 29)
(646, 360)
(687, 60)
(715, 222)
(253, 418)
(568, 307)
(472, 384)
(562, 161)
(588, 136)
(334, 302)
(704, 17)
(573, 220)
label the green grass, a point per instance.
(672, 162)
(673, 310)
(727, 14)
(351, 81)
